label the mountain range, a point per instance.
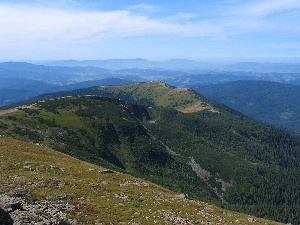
(173, 137)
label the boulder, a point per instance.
(64, 222)
(22, 193)
(55, 197)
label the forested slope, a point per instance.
(270, 102)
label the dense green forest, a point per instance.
(217, 155)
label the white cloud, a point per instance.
(260, 17)
(144, 8)
(265, 7)
(31, 24)
(181, 17)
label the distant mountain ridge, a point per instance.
(13, 90)
(57, 76)
(265, 67)
(178, 64)
(270, 102)
(172, 64)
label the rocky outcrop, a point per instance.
(17, 210)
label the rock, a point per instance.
(106, 171)
(183, 196)
(21, 193)
(64, 222)
(17, 206)
(251, 220)
(5, 218)
(97, 222)
(122, 196)
(55, 197)
(136, 182)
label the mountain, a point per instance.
(18, 89)
(146, 93)
(223, 76)
(177, 64)
(51, 75)
(264, 67)
(116, 64)
(156, 94)
(13, 90)
(29, 80)
(211, 153)
(270, 102)
(51, 187)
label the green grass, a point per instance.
(161, 94)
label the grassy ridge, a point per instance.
(148, 93)
(161, 94)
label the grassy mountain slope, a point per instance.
(161, 94)
(271, 102)
(92, 196)
(218, 155)
(148, 93)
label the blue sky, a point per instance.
(156, 30)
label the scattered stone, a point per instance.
(121, 196)
(177, 219)
(55, 197)
(38, 212)
(136, 182)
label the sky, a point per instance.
(155, 30)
